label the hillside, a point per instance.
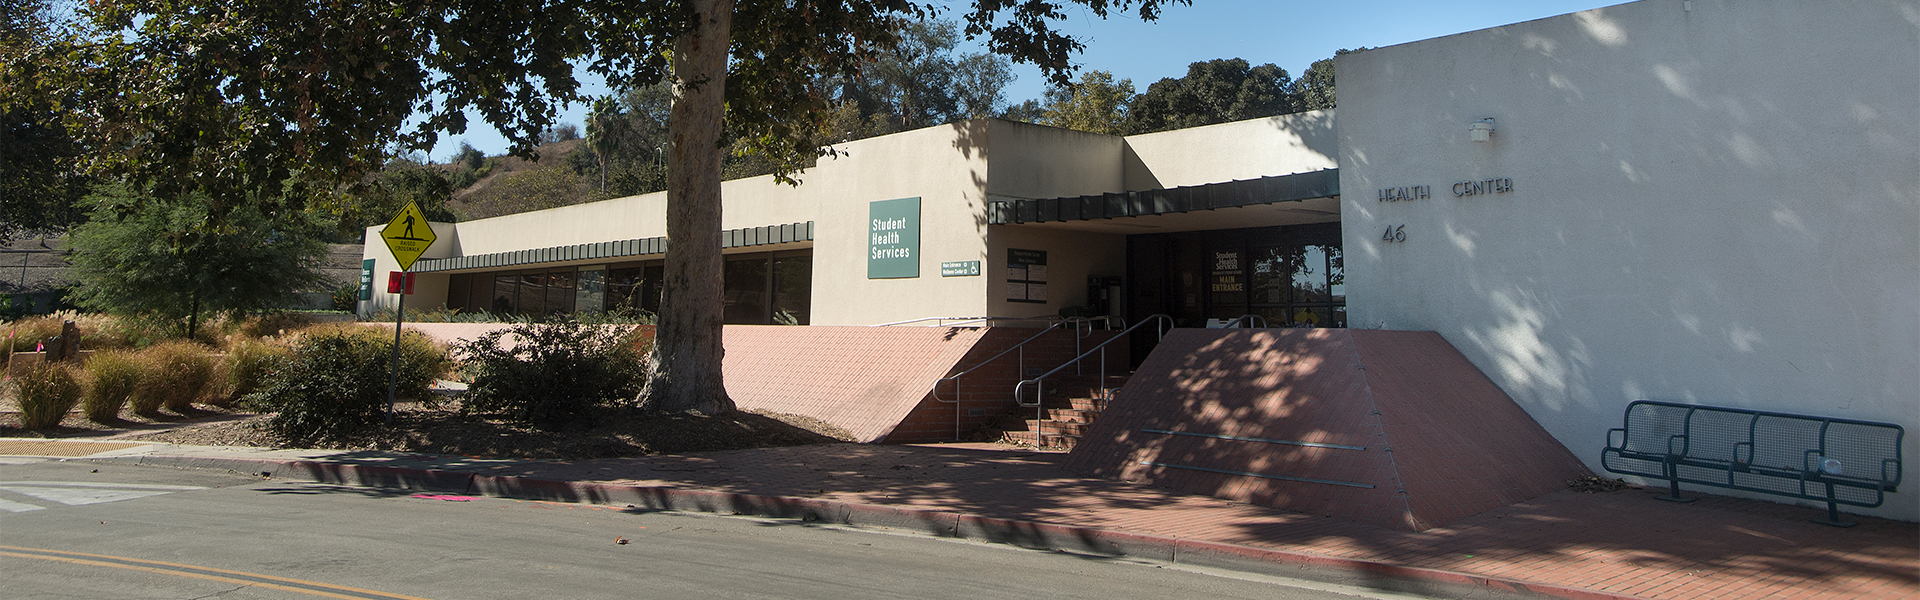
(510, 184)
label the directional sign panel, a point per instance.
(408, 235)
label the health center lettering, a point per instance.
(1482, 187)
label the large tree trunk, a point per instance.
(684, 375)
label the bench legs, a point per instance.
(1673, 485)
(1833, 512)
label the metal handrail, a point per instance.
(1039, 401)
(1246, 322)
(955, 378)
(1080, 334)
(1082, 326)
(960, 321)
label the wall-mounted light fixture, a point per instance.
(1481, 130)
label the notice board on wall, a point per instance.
(1026, 276)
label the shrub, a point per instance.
(46, 394)
(345, 298)
(552, 372)
(272, 324)
(335, 382)
(113, 377)
(421, 359)
(248, 365)
(178, 373)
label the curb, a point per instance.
(1026, 534)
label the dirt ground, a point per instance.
(445, 430)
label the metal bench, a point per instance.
(1837, 461)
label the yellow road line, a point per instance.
(176, 569)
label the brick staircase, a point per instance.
(1072, 403)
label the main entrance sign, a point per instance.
(893, 239)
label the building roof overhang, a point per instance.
(1312, 197)
(774, 236)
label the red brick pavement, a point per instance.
(1621, 542)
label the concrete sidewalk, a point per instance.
(1566, 544)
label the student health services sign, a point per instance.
(893, 239)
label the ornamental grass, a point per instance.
(46, 394)
(178, 374)
(113, 377)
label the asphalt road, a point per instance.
(90, 530)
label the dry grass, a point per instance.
(246, 367)
(113, 377)
(177, 374)
(46, 393)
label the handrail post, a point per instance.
(1103, 377)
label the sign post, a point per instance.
(408, 236)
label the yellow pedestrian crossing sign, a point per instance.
(408, 235)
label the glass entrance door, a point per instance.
(1292, 276)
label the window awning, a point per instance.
(731, 238)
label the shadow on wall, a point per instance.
(970, 140)
(1685, 225)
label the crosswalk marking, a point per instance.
(81, 493)
(11, 506)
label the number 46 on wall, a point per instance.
(1395, 233)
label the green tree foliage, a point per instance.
(1029, 111)
(625, 153)
(1315, 86)
(146, 255)
(1096, 104)
(40, 183)
(276, 102)
(564, 132)
(403, 180)
(552, 372)
(1215, 91)
(335, 382)
(923, 81)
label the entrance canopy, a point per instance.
(1312, 197)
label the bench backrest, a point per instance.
(1864, 449)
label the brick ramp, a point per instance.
(870, 381)
(867, 380)
(1389, 428)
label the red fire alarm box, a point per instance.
(399, 283)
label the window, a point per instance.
(747, 285)
(792, 287)
(590, 290)
(760, 288)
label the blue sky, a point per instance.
(1288, 33)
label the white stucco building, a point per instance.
(1702, 201)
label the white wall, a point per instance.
(1251, 149)
(428, 291)
(1036, 161)
(931, 164)
(1717, 206)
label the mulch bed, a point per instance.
(605, 433)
